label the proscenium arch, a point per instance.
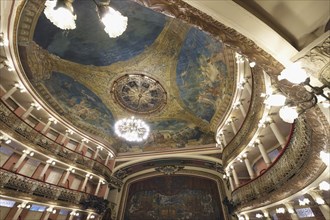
(197, 157)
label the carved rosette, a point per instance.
(139, 93)
(169, 169)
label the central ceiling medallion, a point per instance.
(139, 94)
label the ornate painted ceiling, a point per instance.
(176, 77)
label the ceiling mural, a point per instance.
(169, 135)
(89, 44)
(80, 103)
(200, 73)
(175, 77)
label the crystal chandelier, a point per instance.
(131, 129)
(62, 15)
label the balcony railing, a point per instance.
(246, 132)
(285, 167)
(40, 142)
(31, 186)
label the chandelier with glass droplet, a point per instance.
(132, 129)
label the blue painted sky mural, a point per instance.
(79, 102)
(200, 71)
(88, 44)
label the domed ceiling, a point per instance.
(176, 77)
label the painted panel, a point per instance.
(201, 73)
(169, 134)
(173, 197)
(95, 46)
(81, 105)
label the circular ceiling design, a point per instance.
(139, 93)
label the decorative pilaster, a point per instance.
(263, 152)
(249, 167)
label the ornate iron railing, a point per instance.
(31, 186)
(285, 167)
(25, 133)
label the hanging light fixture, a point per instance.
(115, 23)
(62, 15)
(131, 129)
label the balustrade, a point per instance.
(286, 165)
(13, 122)
(18, 182)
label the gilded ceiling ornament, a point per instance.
(139, 94)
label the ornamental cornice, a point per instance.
(229, 36)
(316, 61)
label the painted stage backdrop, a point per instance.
(173, 197)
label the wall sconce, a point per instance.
(36, 106)
(24, 205)
(69, 131)
(280, 210)
(21, 87)
(325, 157)
(51, 210)
(90, 176)
(53, 120)
(5, 138)
(319, 201)
(74, 213)
(304, 201)
(6, 63)
(50, 161)
(31, 153)
(71, 170)
(295, 74)
(324, 186)
(85, 140)
(3, 41)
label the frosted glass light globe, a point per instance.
(288, 114)
(275, 100)
(62, 17)
(115, 23)
(294, 74)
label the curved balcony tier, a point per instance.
(23, 132)
(292, 170)
(10, 183)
